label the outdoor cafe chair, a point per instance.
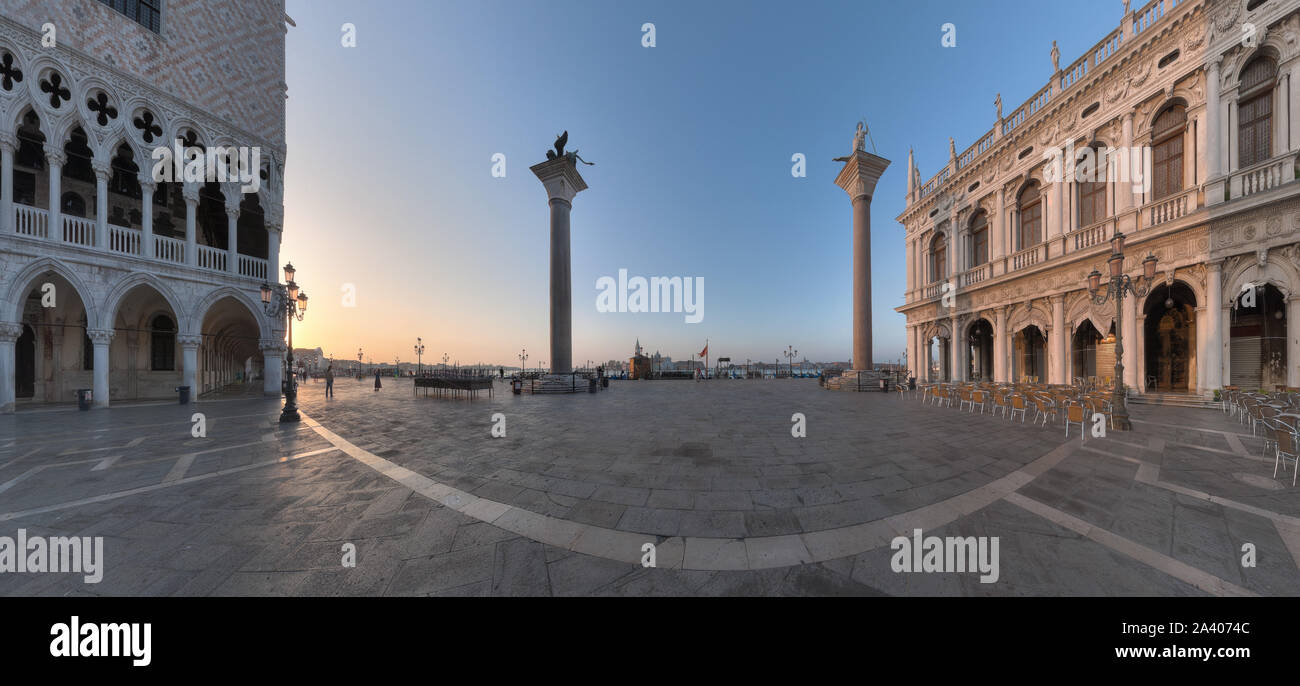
(1074, 414)
(1044, 407)
(1285, 451)
(1018, 405)
(978, 398)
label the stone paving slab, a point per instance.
(734, 504)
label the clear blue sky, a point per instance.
(389, 183)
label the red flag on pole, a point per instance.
(705, 351)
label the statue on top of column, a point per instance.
(998, 103)
(1056, 58)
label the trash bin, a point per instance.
(604, 382)
(517, 387)
(84, 396)
(884, 384)
(591, 385)
(185, 394)
(911, 383)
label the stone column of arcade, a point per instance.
(9, 333)
(562, 182)
(272, 366)
(858, 178)
(190, 362)
(101, 339)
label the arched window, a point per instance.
(938, 258)
(1255, 111)
(162, 344)
(73, 205)
(979, 239)
(1167, 151)
(1030, 209)
(1091, 175)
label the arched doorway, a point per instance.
(1170, 339)
(50, 354)
(1084, 343)
(229, 357)
(1259, 337)
(1029, 361)
(979, 342)
(25, 364)
(144, 353)
(939, 351)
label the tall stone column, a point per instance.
(232, 237)
(101, 339)
(8, 146)
(55, 158)
(9, 333)
(1212, 135)
(273, 233)
(1292, 340)
(858, 178)
(102, 174)
(562, 182)
(955, 352)
(1129, 328)
(149, 248)
(1000, 345)
(1213, 345)
(191, 194)
(1058, 372)
(190, 362)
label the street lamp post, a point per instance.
(285, 301)
(523, 356)
(1118, 286)
(790, 354)
(359, 363)
(419, 356)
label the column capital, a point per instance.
(55, 155)
(272, 346)
(189, 341)
(8, 142)
(232, 210)
(860, 173)
(561, 179)
(103, 170)
(190, 193)
(100, 336)
(147, 183)
(10, 331)
(1214, 265)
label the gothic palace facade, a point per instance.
(999, 247)
(110, 279)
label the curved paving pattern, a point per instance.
(708, 472)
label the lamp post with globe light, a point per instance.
(285, 301)
(1118, 286)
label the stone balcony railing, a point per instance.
(34, 222)
(1134, 24)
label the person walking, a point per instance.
(329, 382)
(377, 384)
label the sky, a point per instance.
(399, 229)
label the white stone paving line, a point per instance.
(696, 552)
(1179, 570)
(1288, 527)
(166, 484)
